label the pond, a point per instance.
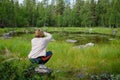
(78, 38)
(83, 38)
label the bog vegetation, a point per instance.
(97, 62)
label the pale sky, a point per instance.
(20, 1)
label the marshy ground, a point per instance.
(98, 62)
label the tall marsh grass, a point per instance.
(99, 58)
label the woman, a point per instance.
(38, 53)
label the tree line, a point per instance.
(59, 13)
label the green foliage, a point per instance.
(105, 76)
(9, 71)
(59, 13)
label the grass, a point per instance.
(84, 29)
(67, 61)
(68, 29)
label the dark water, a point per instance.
(84, 38)
(81, 38)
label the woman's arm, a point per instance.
(48, 36)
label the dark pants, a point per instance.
(42, 59)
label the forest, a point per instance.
(59, 13)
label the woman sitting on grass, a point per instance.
(38, 53)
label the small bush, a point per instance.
(105, 76)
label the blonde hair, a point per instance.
(39, 33)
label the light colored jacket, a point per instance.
(39, 46)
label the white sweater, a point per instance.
(39, 46)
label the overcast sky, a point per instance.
(20, 1)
